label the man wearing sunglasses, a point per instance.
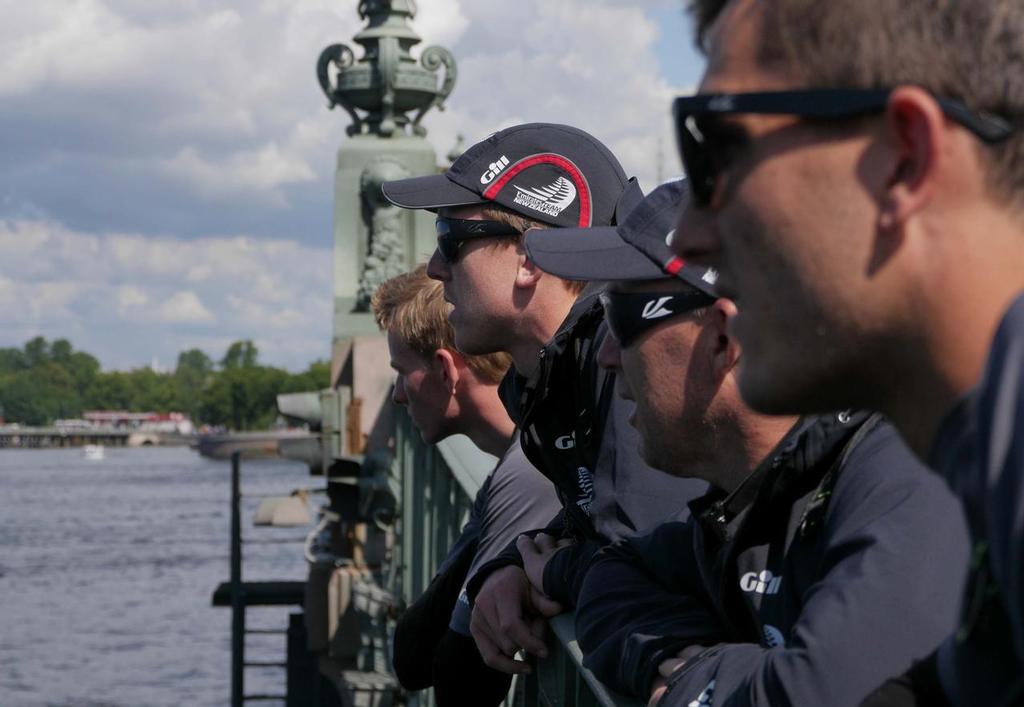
(811, 571)
(574, 431)
(859, 172)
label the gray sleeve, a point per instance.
(893, 566)
(471, 530)
(520, 499)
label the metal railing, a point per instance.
(437, 486)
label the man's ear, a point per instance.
(528, 274)
(449, 363)
(725, 352)
(917, 135)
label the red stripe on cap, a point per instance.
(562, 163)
(673, 266)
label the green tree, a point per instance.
(37, 351)
(241, 354)
(193, 373)
(12, 360)
(83, 369)
(150, 391)
(39, 395)
(60, 352)
(43, 381)
(110, 390)
(316, 377)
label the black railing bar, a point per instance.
(264, 698)
(272, 541)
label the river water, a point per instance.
(107, 569)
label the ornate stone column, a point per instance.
(385, 94)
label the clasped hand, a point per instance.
(511, 609)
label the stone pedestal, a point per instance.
(363, 222)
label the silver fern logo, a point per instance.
(551, 200)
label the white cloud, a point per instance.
(184, 307)
(252, 171)
(131, 300)
(124, 297)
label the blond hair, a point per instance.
(412, 305)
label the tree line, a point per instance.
(45, 381)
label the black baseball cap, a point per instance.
(555, 174)
(636, 250)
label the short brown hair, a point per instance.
(412, 305)
(969, 51)
(497, 212)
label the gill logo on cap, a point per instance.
(494, 169)
(669, 236)
(655, 309)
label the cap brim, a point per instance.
(434, 191)
(589, 254)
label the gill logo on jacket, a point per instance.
(565, 442)
(763, 582)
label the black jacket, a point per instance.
(980, 452)
(574, 430)
(561, 408)
(834, 566)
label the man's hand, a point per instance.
(667, 668)
(509, 615)
(535, 553)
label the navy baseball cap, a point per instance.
(555, 174)
(636, 250)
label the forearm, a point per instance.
(510, 557)
(627, 622)
(565, 572)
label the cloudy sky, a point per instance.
(168, 166)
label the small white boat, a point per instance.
(94, 452)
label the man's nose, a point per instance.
(437, 268)
(398, 396)
(609, 356)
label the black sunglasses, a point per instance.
(631, 314)
(702, 168)
(453, 232)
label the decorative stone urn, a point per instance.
(386, 83)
